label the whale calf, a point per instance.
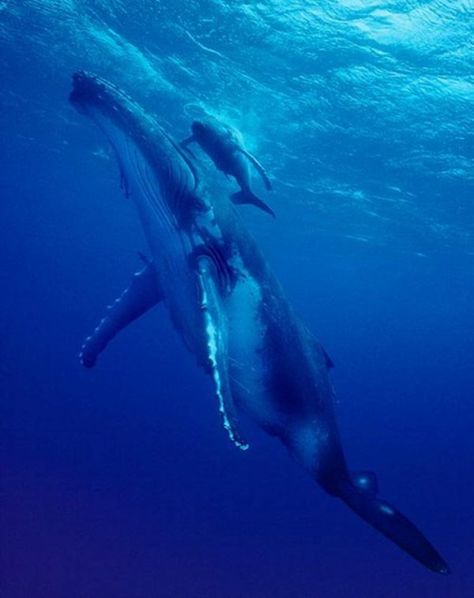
(224, 145)
(229, 310)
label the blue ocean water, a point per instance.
(120, 481)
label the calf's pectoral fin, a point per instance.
(140, 296)
(187, 141)
(258, 167)
(216, 335)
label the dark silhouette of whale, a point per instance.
(224, 145)
(230, 310)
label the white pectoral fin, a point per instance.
(260, 169)
(216, 333)
(140, 296)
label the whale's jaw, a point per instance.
(156, 178)
(119, 117)
(89, 91)
(138, 152)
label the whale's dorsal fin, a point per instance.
(329, 361)
(141, 295)
(216, 334)
(319, 349)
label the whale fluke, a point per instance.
(247, 197)
(360, 496)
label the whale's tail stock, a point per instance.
(359, 492)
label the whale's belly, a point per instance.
(247, 365)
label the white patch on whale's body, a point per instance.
(246, 356)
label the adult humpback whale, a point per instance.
(229, 310)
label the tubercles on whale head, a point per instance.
(90, 91)
(86, 88)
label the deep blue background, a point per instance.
(121, 481)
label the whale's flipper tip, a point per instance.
(142, 294)
(247, 197)
(87, 358)
(360, 495)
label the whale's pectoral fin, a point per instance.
(360, 494)
(258, 167)
(216, 333)
(141, 295)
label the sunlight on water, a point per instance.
(312, 86)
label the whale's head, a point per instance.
(86, 89)
(154, 170)
(202, 130)
(210, 130)
(107, 106)
(198, 127)
(90, 92)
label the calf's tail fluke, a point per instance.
(360, 494)
(246, 196)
